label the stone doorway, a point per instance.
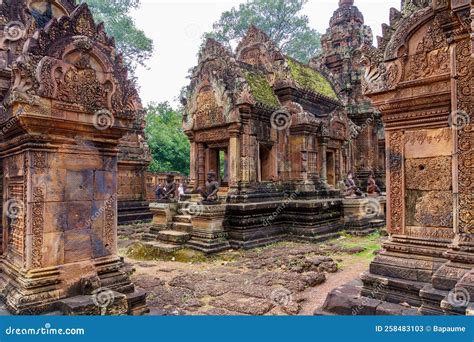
(217, 161)
(266, 164)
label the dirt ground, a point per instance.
(281, 279)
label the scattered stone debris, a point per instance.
(263, 281)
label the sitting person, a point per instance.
(372, 187)
(209, 194)
(166, 191)
(351, 187)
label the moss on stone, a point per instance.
(310, 79)
(261, 89)
(146, 252)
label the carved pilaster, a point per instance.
(395, 217)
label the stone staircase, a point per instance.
(175, 236)
(130, 212)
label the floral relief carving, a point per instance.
(37, 226)
(396, 192)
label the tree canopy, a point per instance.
(168, 144)
(280, 19)
(132, 42)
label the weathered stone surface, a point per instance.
(68, 104)
(249, 306)
(428, 121)
(234, 288)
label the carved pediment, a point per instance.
(431, 55)
(257, 49)
(73, 61)
(208, 112)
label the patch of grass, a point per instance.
(371, 244)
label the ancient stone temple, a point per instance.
(66, 105)
(341, 57)
(275, 136)
(420, 78)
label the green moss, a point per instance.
(261, 89)
(310, 79)
(141, 251)
(371, 244)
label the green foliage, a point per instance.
(280, 19)
(261, 89)
(309, 78)
(132, 42)
(168, 144)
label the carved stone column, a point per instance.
(324, 166)
(193, 162)
(234, 156)
(201, 155)
(69, 105)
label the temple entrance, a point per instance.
(217, 161)
(266, 164)
(331, 168)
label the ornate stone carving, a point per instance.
(435, 209)
(465, 137)
(37, 225)
(208, 113)
(429, 173)
(396, 182)
(431, 57)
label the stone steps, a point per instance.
(165, 247)
(182, 227)
(133, 217)
(182, 218)
(173, 236)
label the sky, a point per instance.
(176, 28)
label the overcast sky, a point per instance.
(177, 27)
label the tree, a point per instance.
(280, 19)
(168, 144)
(132, 42)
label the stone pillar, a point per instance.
(60, 175)
(324, 166)
(201, 176)
(234, 157)
(193, 163)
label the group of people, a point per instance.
(351, 188)
(170, 191)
